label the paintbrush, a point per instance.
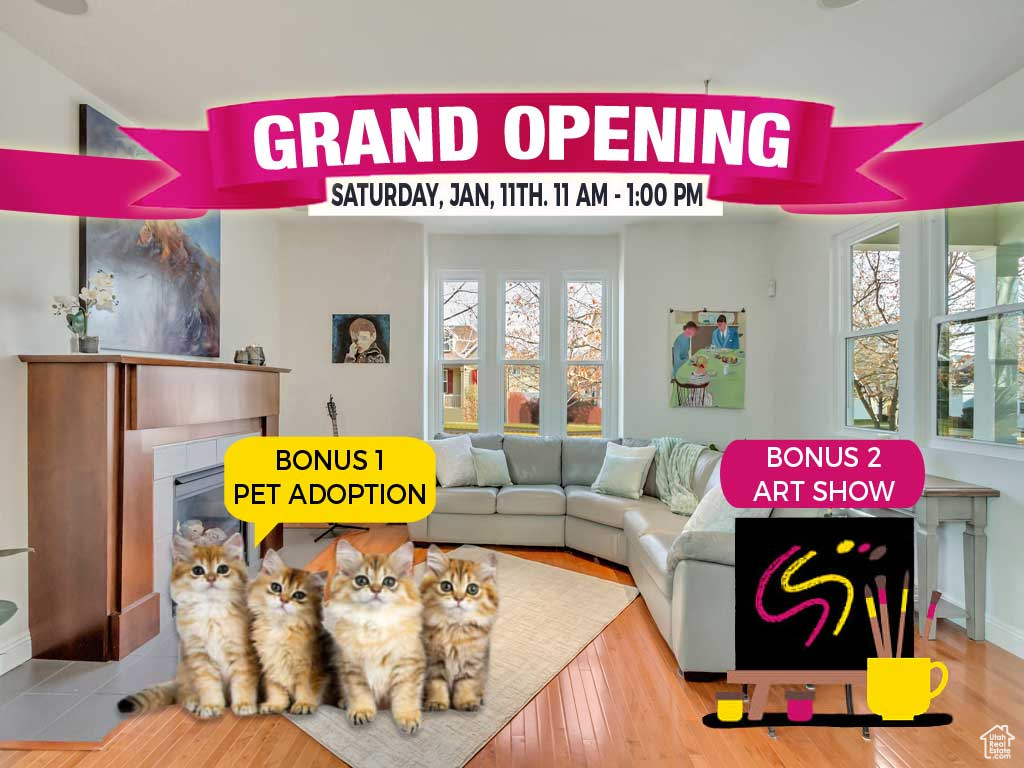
(898, 650)
(931, 615)
(883, 609)
(873, 618)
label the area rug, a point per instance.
(547, 616)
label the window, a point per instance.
(522, 359)
(980, 354)
(460, 355)
(871, 332)
(584, 351)
(528, 352)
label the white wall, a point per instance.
(335, 266)
(691, 264)
(803, 248)
(39, 258)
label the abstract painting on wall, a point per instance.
(167, 272)
(361, 339)
(709, 353)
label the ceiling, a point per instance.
(163, 62)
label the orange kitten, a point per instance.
(375, 617)
(289, 639)
(460, 604)
(208, 586)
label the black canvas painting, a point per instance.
(800, 601)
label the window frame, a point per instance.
(435, 388)
(525, 276)
(842, 322)
(491, 338)
(937, 245)
(609, 423)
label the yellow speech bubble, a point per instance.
(271, 480)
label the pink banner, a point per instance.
(278, 153)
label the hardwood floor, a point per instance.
(619, 703)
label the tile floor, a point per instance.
(44, 700)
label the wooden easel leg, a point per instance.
(758, 701)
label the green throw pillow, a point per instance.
(491, 468)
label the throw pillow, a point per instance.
(624, 471)
(491, 468)
(714, 513)
(454, 461)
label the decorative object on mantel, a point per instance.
(169, 271)
(242, 356)
(8, 608)
(255, 355)
(97, 296)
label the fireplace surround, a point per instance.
(105, 432)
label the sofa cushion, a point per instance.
(654, 517)
(454, 461)
(582, 458)
(708, 546)
(586, 504)
(487, 442)
(531, 500)
(534, 460)
(705, 474)
(466, 501)
(650, 486)
(624, 471)
(491, 467)
(652, 551)
(715, 513)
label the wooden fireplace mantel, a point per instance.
(93, 422)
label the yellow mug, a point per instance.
(901, 688)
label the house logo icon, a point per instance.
(997, 742)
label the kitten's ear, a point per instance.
(318, 580)
(437, 563)
(401, 559)
(487, 567)
(234, 546)
(272, 562)
(181, 549)
(348, 558)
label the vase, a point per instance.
(73, 344)
(89, 344)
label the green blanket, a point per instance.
(677, 460)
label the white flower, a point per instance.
(88, 294)
(102, 280)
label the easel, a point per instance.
(763, 680)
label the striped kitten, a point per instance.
(208, 586)
(292, 646)
(375, 617)
(460, 604)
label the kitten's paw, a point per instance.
(269, 708)
(409, 722)
(303, 708)
(342, 704)
(191, 704)
(467, 703)
(208, 712)
(437, 705)
(361, 715)
(244, 708)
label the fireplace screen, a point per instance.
(200, 514)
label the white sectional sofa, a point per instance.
(551, 504)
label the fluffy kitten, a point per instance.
(289, 639)
(208, 585)
(460, 604)
(375, 616)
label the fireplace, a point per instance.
(199, 506)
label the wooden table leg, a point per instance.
(758, 701)
(975, 557)
(926, 511)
